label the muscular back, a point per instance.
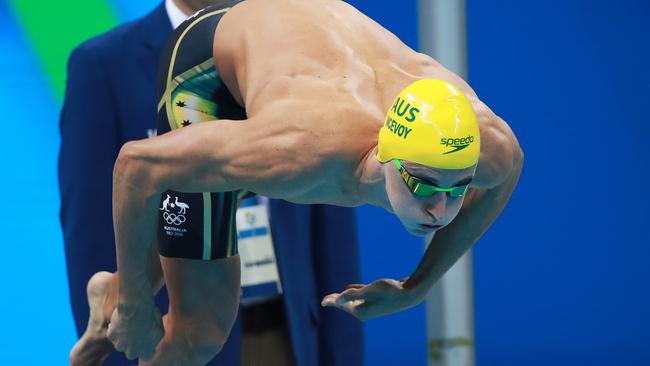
(316, 77)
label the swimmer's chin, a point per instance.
(423, 230)
(419, 231)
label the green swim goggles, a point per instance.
(423, 188)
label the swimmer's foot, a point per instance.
(93, 346)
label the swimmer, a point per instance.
(337, 110)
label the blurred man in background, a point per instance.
(111, 99)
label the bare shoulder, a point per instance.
(246, 30)
(272, 49)
(500, 150)
(254, 31)
(228, 49)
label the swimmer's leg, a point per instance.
(203, 303)
(102, 289)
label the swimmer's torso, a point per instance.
(333, 73)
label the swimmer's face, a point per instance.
(422, 215)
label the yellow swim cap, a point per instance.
(431, 123)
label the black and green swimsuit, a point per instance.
(195, 225)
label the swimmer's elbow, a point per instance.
(134, 171)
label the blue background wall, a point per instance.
(561, 278)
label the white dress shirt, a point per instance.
(176, 15)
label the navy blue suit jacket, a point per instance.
(111, 99)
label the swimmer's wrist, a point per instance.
(135, 283)
(134, 302)
(415, 291)
(134, 292)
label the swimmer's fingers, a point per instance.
(335, 301)
(136, 333)
(379, 298)
(349, 300)
(352, 292)
(352, 307)
(373, 291)
(330, 300)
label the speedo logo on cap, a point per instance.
(456, 144)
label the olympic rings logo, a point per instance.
(173, 219)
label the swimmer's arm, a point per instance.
(497, 180)
(214, 156)
(142, 171)
(480, 209)
(189, 160)
(386, 296)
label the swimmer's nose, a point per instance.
(436, 207)
(433, 218)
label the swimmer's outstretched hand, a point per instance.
(136, 330)
(381, 297)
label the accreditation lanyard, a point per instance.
(260, 279)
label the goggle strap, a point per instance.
(422, 189)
